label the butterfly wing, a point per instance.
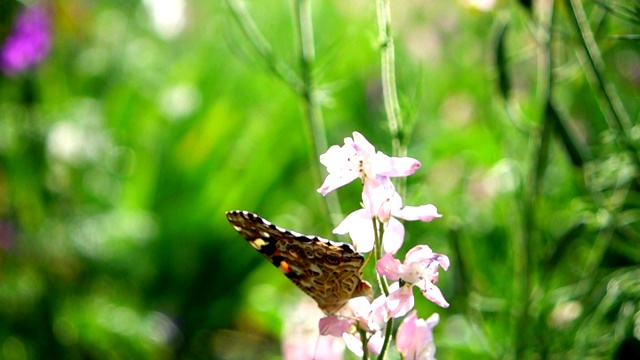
(329, 272)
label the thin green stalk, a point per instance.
(391, 104)
(304, 29)
(389, 90)
(280, 69)
(378, 228)
(611, 103)
(394, 119)
(365, 348)
(387, 339)
(527, 247)
(313, 111)
(598, 67)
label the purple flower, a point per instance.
(28, 43)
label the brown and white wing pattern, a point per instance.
(330, 272)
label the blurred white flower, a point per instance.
(179, 101)
(168, 16)
(301, 338)
(482, 5)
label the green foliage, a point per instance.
(120, 154)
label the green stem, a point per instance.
(389, 89)
(391, 104)
(365, 348)
(378, 230)
(280, 69)
(611, 103)
(387, 339)
(378, 227)
(527, 247)
(313, 111)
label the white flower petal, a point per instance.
(393, 236)
(400, 301)
(353, 343)
(362, 144)
(432, 293)
(424, 213)
(340, 165)
(403, 166)
(336, 180)
(418, 254)
(376, 342)
(390, 267)
(376, 197)
(362, 239)
(358, 226)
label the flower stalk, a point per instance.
(390, 93)
(376, 228)
(365, 340)
(312, 108)
(366, 326)
(379, 232)
(307, 55)
(384, 287)
(388, 334)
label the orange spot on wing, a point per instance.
(285, 267)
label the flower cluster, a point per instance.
(376, 227)
(28, 43)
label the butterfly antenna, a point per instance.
(367, 260)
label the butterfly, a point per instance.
(329, 272)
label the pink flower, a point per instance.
(424, 213)
(358, 314)
(400, 300)
(357, 158)
(414, 339)
(420, 269)
(382, 201)
(303, 345)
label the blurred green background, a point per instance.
(121, 152)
